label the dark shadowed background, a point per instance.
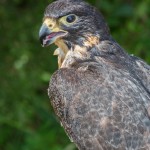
(27, 121)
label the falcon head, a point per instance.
(70, 23)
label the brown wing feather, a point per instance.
(102, 108)
(143, 71)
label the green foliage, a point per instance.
(27, 121)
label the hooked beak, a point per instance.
(48, 36)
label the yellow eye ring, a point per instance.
(68, 20)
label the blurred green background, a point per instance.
(27, 121)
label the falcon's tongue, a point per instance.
(49, 36)
(49, 39)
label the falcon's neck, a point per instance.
(68, 58)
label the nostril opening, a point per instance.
(50, 25)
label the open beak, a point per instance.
(48, 36)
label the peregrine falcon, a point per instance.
(100, 93)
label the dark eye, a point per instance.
(71, 18)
